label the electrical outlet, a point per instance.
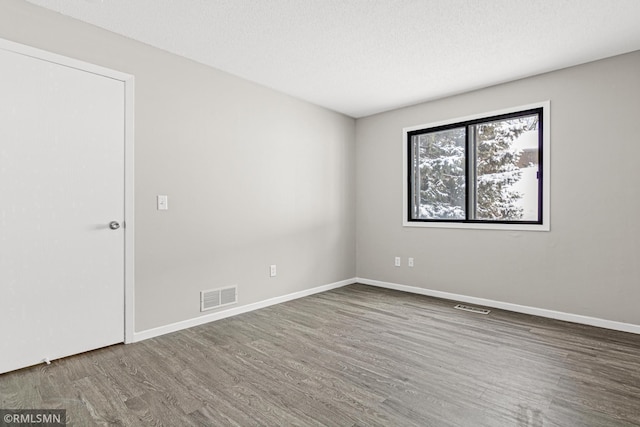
(410, 262)
(273, 271)
(397, 262)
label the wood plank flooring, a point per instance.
(354, 356)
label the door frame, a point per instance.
(128, 225)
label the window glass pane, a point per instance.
(439, 175)
(507, 169)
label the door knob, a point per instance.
(114, 225)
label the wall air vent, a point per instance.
(216, 298)
(472, 309)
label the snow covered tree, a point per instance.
(441, 170)
(497, 168)
(440, 162)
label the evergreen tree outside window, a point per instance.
(486, 170)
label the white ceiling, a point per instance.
(361, 57)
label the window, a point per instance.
(485, 171)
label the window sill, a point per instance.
(477, 226)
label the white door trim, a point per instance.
(129, 234)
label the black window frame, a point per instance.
(539, 111)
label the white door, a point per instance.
(61, 185)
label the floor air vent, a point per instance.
(215, 298)
(472, 309)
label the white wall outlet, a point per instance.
(410, 262)
(397, 261)
(272, 270)
(163, 202)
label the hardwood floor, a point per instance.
(354, 356)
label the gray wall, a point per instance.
(253, 177)
(588, 264)
(256, 178)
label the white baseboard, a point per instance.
(173, 327)
(568, 317)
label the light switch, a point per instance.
(163, 202)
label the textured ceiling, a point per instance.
(361, 57)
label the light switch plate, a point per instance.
(163, 202)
